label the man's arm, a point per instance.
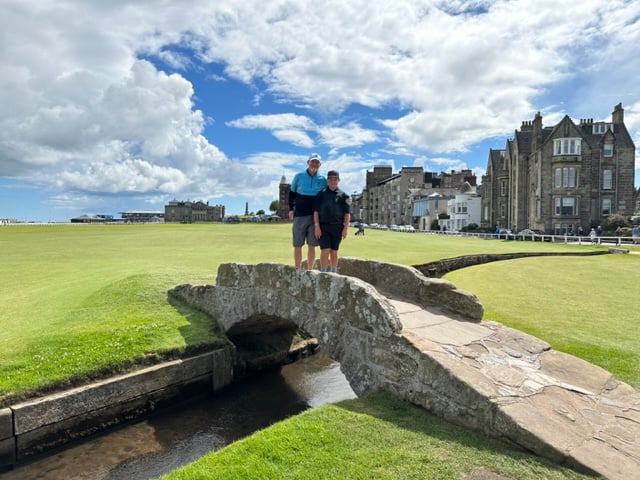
(316, 224)
(292, 203)
(345, 224)
(347, 215)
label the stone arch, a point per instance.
(345, 314)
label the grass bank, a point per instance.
(372, 437)
(88, 300)
(586, 306)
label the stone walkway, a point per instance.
(569, 407)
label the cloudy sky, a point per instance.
(107, 106)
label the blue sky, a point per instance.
(114, 106)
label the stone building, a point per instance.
(561, 177)
(189, 212)
(356, 208)
(388, 198)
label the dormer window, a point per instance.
(599, 128)
(566, 146)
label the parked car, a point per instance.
(506, 234)
(533, 234)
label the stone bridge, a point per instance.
(422, 340)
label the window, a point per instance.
(606, 207)
(565, 177)
(607, 176)
(503, 187)
(566, 146)
(562, 228)
(564, 205)
(599, 128)
(608, 150)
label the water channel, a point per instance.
(156, 445)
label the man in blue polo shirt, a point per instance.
(304, 188)
(331, 216)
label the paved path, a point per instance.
(577, 409)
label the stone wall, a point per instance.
(30, 428)
(438, 268)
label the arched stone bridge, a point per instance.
(421, 339)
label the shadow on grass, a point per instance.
(415, 419)
(202, 333)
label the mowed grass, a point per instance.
(86, 300)
(83, 301)
(586, 306)
(372, 437)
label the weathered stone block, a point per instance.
(59, 407)
(6, 423)
(222, 368)
(83, 424)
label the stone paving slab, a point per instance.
(437, 326)
(571, 408)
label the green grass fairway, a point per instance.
(82, 301)
(586, 306)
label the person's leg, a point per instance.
(324, 259)
(311, 241)
(311, 256)
(324, 243)
(300, 230)
(334, 260)
(297, 256)
(336, 238)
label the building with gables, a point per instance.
(390, 198)
(189, 212)
(561, 177)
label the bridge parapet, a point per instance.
(309, 298)
(394, 279)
